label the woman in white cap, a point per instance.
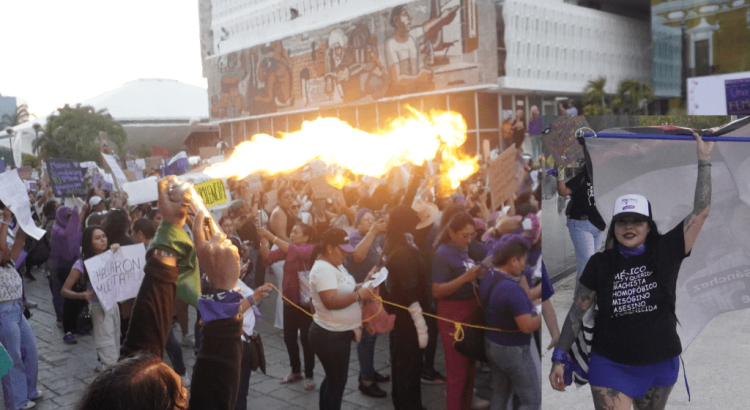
(634, 355)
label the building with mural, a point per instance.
(705, 37)
(270, 65)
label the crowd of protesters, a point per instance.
(447, 257)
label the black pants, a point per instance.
(333, 349)
(406, 363)
(244, 377)
(71, 307)
(295, 319)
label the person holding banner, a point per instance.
(106, 323)
(633, 283)
(19, 385)
(65, 250)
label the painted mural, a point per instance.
(412, 48)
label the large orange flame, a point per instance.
(414, 140)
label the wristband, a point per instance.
(559, 355)
(359, 298)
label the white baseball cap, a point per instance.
(94, 200)
(632, 205)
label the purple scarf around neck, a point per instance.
(628, 252)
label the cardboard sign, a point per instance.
(502, 174)
(116, 170)
(130, 175)
(153, 163)
(142, 192)
(117, 276)
(322, 189)
(208, 152)
(13, 194)
(486, 150)
(66, 177)
(213, 192)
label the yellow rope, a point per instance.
(458, 335)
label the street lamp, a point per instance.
(10, 132)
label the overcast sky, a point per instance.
(58, 52)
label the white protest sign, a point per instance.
(143, 191)
(141, 163)
(108, 178)
(88, 164)
(117, 276)
(116, 170)
(13, 194)
(378, 278)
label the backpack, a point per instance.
(38, 250)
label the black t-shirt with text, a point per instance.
(636, 322)
(582, 200)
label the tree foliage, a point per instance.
(73, 134)
(10, 120)
(680, 119)
(595, 99)
(632, 95)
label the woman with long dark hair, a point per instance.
(635, 351)
(296, 257)
(453, 286)
(78, 286)
(281, 223)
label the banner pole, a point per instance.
(664, 137)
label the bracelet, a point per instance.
(705, 164)
(359, 298)
(5, 223)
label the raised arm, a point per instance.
(702, 202)
(585, 298)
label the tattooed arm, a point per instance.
(702, 203)
(585, 298)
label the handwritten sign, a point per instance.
(116, 170)
(13, 194)
(153, 163)
(502, 174)
(254, 183)
(30, 185)
(322, 189)
(142, 192)
(88, 164)
(24, 173)
(178, 165)
(212, 192)
(561, 142)
(738, 96)
(117, 276)
(66, 177)
(130, 175)
(109, 183)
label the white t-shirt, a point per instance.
(324, 276)
(405, 54)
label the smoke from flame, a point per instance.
(414, 140)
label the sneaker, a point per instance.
(185, 381)
(372, 390)
(28, 405)
(29, 304)
(309, 384)
(69, 339)
(187, 341)
(432, 377)
(381, 378)
(38, 395)
(478, 403)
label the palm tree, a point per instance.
(632, 95)
(595, 98)
(22, 115)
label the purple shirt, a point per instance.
(81, 268)
(507, 301)
(296, 260)
(450, 262)
(535, 126)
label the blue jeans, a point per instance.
(513, 371)
(19, 385)
(366, 355)
(333, 349)
(586, 240)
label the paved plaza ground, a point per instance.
(66, 370)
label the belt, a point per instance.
(581, 218)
